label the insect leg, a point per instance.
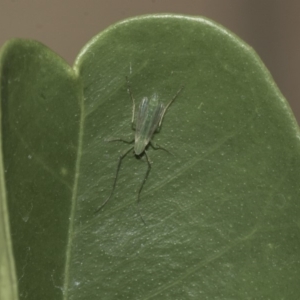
(115, 180)
(167, 106)
(120, 140)
(157, 147)
(142, 185)
(133, 102)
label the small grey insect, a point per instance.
(149, 118)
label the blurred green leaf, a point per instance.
(222, 211)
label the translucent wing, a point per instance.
(149, 115)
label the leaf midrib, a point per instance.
(74, 192)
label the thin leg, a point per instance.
(115, 180)
(133, 102)
(171, 101)
(157, 147)
(142, 185)
(120, 140)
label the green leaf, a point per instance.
(40, 131)
(222, 211)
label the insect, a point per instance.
(149, 119)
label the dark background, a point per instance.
(271, 27)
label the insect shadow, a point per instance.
(149, 119)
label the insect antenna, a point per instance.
(133, 102)
(167, 106)
(115, 180)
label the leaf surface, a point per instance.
(40, 107)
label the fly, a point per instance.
(149, 119)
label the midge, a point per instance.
(149, 118)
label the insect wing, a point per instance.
(149, 116)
